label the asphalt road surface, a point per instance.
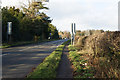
(17, 62)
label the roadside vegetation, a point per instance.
(96, 55)
(47, 69)
(6, 45)
(79, 63)
(28, 23)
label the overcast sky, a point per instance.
(87, 14)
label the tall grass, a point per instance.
(103, 51)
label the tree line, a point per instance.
(28, 24)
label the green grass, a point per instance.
(6, 45)
(81, 70)
(67, 42)
(47, 69)
(72, 48)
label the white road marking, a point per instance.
(28, 48)
(5, 54)
(25, 49)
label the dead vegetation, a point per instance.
(103, 53)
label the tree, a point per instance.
(40, 20)
(33, 8)
(7, 16)
(27, 29)
(53, 31)
(28, 23)
(65, 34)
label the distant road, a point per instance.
(17, 62)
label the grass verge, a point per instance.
(47, 69)
(6, 45)
(79, 64)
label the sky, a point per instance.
(87, 14)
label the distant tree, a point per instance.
(53, 31)
(66, 34)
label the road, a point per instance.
(17, 62)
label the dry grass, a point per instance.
(103, 51)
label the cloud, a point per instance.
(16, 3)
(87, 14)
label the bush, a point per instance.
(81, 69)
